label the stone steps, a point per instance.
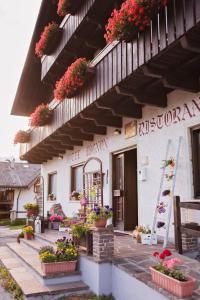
(32, 288)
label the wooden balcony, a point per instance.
(128, 76)
(83, 35)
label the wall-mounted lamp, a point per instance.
(117, 131)
(60, 157)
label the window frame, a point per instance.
(195, 163)
(72, 172)
(50, 186)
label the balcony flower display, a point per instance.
(55, 221)
(76, 76)
(68, 7)
(48, 40)
(41, 116)
(28, 232)
(99, 215)
(133, 16)
(21, 137)
(167, 274)
(32, 209)
(61, 260)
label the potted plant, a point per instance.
(169, 163)
(148, 238)
(41, 116)
(133, 16)
(28, 232)
(21, 137)
(48, 40)
(75, 196)
(79, 233)
(32, 209)
(55, 221)
(99, 215)
(168, 275)
(74, 79)
(51, 197)
(61, 260)
(68, 7)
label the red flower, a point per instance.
(155, 254)
(167, 252)
(46, 38)
(21, 137)
(40, 116)
(72, 81)
(162, 256)
(134, 15)
(63, 6)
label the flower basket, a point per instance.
(78, 75)
(41, 116)
(68, 7)
(58, 267)
(100, 223)
(55, 225)
(28, 236)
(21, 137)
(49, 40)
(181, 289)
(32, 212)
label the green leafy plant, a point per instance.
(46, 249)
(47, 257)
(98, 213)
(78, 230)
(9, 284)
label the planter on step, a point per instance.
(181, 289)
(58, 267)
(148, 239)
(55, 225)
(28, 236)
(100, 223)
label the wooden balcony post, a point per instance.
(177, 225)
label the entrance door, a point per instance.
(125, 205)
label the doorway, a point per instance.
(125, 198)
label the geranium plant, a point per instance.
(73, 80)
(21, 137)
(133, 16)
(41, 116)
(68, 7)
(46, 39)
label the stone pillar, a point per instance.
(103, 243)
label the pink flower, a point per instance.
(56, 218)
(171, 263)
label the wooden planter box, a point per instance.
(58, 267)
(47, 119)
(179, 288)
(52, 45)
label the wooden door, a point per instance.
(118, 191)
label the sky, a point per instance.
(17, 21)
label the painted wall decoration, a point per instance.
(130, 129)
(96, 147)
(170, 117)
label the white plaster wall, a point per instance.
(152, 145)
(26, 195)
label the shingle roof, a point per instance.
(18, 175)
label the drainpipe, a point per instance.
(17, 207)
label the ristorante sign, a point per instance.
(170, 117)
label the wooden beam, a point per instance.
(76, 133)
(58, 147)
(189, 45)
(112, 121)
(64, 138)
(177, 225)
(186, 82)
(88, 127)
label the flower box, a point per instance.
(54, 42)
(55, 225)
(58, 267)
(41, 116)
(181, 289)
(148, 239)
(22, 137)
(68, 7)
(28, 236)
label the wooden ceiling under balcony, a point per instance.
(128, 76)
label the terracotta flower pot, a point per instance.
(181, 289)
(101, 223)
(58, 267)
(28, 236)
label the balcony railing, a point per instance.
(128, 76)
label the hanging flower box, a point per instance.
(21, 137)
(41, 116)
(74, 79)
(68, 7)
(49, 40)
(133, 16)
(181, 289)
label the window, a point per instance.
(77, 179)
(52, 186)
(196, 161)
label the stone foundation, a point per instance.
(103, 243)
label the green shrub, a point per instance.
(9, 284)
(18, 222)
